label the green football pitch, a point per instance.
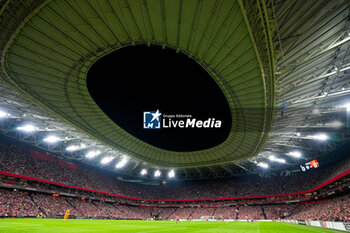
(90, 226)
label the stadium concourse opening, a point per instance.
(135, 79)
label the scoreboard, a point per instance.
(309, 165)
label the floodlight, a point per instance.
(76, 147)
(107, 159)
(27, 128)
(171, 174)
(3, 114)
(280, 160)
(263, 165)
(52, 139)
(143, 172)
(157, 173)
(122, 163)
(273, 158)
(320, 137)
(347, 106)
(92, 154)
(336, 124)
(295, 154)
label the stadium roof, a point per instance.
(47, 48)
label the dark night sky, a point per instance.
(135, 79)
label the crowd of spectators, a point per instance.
(251, 212)
(16, 159)
(335, 209)
(227, 212)
(278, 211)
(52, 206)
(17, 203)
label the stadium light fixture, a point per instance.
(107, 159)
(4, 114)
(263, 165)
(320, 137)
(143, 172)
(92, 154)
(171, 174)
(347, 106)
(27, 128)
(280, 160)
(295, 154)
(76, 147)
(335, 124)
(275, 159)
(52, 139)
(121, 163)
(157, 173)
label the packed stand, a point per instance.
(274, 212)
(17, 203)
(16, 159)
(336, 209)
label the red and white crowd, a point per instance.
(18, 203)
(335, 209)
(16, 159)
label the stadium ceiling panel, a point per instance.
(48, 56)
(289, 59)
(311, 41)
